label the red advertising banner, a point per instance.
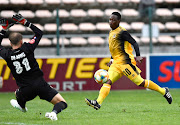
(70, 74)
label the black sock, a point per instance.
(59, 107)
(20, 99)
(21, 102)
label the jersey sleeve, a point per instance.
(33, 43)
(125, 36)
(3, 51)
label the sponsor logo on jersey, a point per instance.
(114, 35)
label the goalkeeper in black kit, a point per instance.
(25, 69)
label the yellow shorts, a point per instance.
(116, 71)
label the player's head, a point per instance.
(16, 39)
(114, 20)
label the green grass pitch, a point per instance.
(130, 107)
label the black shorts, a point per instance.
(40, 88)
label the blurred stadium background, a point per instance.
(76, 30)
(83, 24)
(83, 33)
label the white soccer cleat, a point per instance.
(15, 104)
(47, 114)
(51, 115)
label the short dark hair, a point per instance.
(117, 14)
(15, 38)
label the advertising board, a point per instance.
(70, 74)
(165, 70)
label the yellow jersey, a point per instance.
(121, 51)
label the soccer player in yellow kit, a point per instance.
(120, 42)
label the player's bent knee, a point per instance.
(57, 98)
(60, 106)
(142, 84)
(64, 104)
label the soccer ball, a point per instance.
(101, 76)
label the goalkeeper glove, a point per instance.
(19, 18)
(5, 24)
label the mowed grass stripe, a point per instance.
(130, 107)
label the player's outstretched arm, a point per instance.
(5, 25)
(2, 33)
(38, 33)
(19, 18)
(127, 37)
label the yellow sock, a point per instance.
(104, 91)
(153, 86)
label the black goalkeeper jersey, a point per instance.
(21, 61)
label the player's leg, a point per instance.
(103, 93)
(59, 105)
(132, 72)
(20, 101)
(153, 86)
(23, 95)
(51, 95)
(105, 89)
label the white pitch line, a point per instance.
(14, 123)
(11, 123)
